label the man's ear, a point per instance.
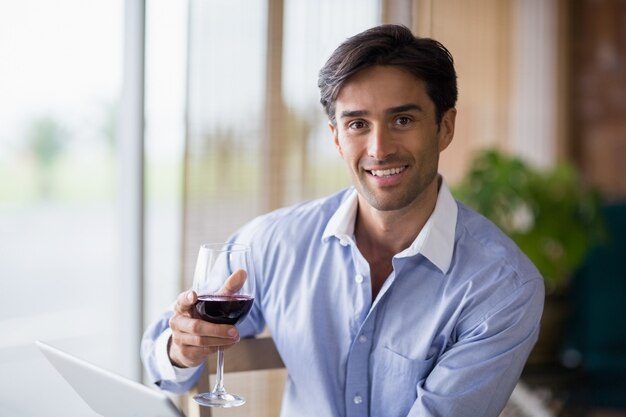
(335, 133)
(446, 128)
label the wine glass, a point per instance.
(224, 282)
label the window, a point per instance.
(59, 214)
(258, 138)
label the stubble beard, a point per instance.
(394, 198)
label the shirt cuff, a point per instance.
(168, 371)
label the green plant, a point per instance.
(551, 215)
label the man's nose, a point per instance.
(380, 144)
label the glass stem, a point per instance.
(219, 376)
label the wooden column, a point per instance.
(275, 141)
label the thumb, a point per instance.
(234, 282)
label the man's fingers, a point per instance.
(193, 340)
(185, 356)
(184, 301)
(203, 329)
(234, 282)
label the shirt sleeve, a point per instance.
(476, 375)
(156, 360)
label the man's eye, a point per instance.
(357, 124)
(403, 120)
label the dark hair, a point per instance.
(394, 45)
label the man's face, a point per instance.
(388, 136)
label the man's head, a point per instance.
(390, 99)
(391, 45)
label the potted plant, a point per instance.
(551, 215)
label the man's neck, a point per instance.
(393, 231)
(382, 234)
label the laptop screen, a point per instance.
(107, 393)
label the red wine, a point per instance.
(223, 309)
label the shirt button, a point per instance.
(358, 278)
(357, 399)
(362, 338)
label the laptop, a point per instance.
(107, 393)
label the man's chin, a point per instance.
(385, 201)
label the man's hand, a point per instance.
(194, 339)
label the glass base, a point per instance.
(222, 400)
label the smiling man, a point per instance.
(388, 132)
(389, 298)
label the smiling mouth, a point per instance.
(386, 172)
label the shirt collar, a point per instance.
(341, 224)
(435, 241)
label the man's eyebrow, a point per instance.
(353, 113)
(392, 110)
(404, 108)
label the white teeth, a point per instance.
(386, 172)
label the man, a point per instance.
(388, 298)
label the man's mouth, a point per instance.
(386, 172)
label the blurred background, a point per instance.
(133, 130)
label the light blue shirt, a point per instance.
(447, 335)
